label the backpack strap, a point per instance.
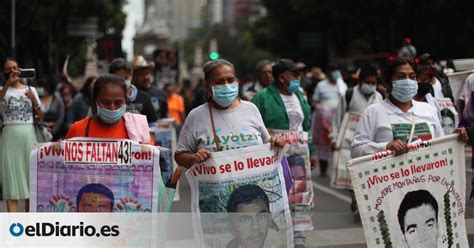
(348, 97)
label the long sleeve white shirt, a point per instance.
(381, 121)
(357, 105)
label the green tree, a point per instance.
(42, 39)
(346, 28)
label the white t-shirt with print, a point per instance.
(236, 128)
(16, 107)
(294, 111)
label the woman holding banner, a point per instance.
(224, 122)
(110, 121)
(399, 120)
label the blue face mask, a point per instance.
(404, 90)
(294, 85)
(225, 94)
(111, 116)
(335, 74)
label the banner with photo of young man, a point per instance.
(165, 137)
(413, 200)
(97, 175)
(449, 115)
(239, 199)
(340, 177)
(301, 195)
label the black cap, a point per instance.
(283, 65)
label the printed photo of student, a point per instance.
(418, 219)
(299, 176)
(250, 217)
(95, 197)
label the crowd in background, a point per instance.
(312, 99)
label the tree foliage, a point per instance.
(441, 27)
(42, 40)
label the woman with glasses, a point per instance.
(232, 122)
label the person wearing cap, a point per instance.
(138, 102)
(281, 104)
(284, 107)
(325, 99)
(141, 78)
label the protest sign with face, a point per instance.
(238, 199)
(95, 175)
(413, 200)
(340, 177)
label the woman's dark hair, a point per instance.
(120, 64)
(424, 70)
(49, 84)
(367, 71)
(103, 81)
(210, 65)
(85, 90)
(392, 65)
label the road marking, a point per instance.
(331, 192)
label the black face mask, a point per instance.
(424, 88)
(6, 75)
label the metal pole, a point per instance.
(13, 29)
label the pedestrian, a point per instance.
(141, 79)
(223, 115)
(53, 107)
(284, 107)
(138, 101)
(166, 67)
(425, 77)
(20, 104)
(440, 82)
(325, 100)
(407, 50)
(109, 119)
(398, 120)
(175, 105)
(312, 78)
(263, 72)
(81, 104)
(282, 104)
(356, 100)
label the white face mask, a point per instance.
(367, 89)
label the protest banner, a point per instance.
(238, 199)
(456, 81)
(340, 177)
(449, 115)
(413, 200)
(97, 175)
(301, 195)
(165, 137)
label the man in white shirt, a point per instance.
(357, 99)
(325, 98)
